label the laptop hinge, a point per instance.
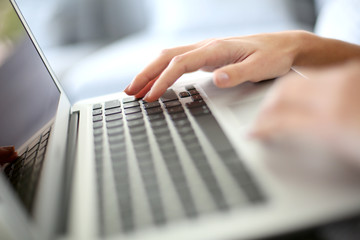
(71, 148)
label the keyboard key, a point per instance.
(98, 139)
(168, 145)
(138, 130)
(114, 124)
(193, 92)
(241, 175)
(138, 139)
(196, 97)
(112, 111)
(203, 110)
(132, 110)
(161, 131)
(97, 125)
(182, 122)
(176, 116)
(213, 132)
(115, 131)
(195, 104)
(113, 117)
(134, 116)
(156, 117)
(156, 110)
(186, 131)
(136, 123)
(172, 104)
(169, 95)
(97, 112)
(184, 94)
(97, 118)
(46, 135)
(189, 87)
(151, 104)
(118, 147)
(131, 104)
(164, 139)
(129, 99)
(97, 106)
(159, 124)
(98, 131)
(112, 104)
(116, 139)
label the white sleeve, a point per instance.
(339, 19)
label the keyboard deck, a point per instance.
(169, 159)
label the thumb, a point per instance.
(234, 74)
(252, 69)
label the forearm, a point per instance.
(313, 50)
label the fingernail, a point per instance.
(127, 88)
(9, 148)
(222, 78)
(146, 96)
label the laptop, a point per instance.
(115, 167)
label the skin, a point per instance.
(235, 60)
(7, 154)
(323, 107)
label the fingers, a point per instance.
(154, 69)
(7, 154)
(254, 68)
(282, 123)
(173, 63)
(185, 63)
(234, 74)
(233, 60)
(146, 89)
(291, 107)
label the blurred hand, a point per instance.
(7, 154)
(324, 107)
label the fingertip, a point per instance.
(127, 89)
(149, 97)
(146, 97)
(141, 94)
(221, 79)
(136, 85)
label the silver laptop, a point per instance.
(115, 167)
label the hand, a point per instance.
(233, 60)
(238, 59)
(324, 107)
(7, 154)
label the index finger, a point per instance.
(188, 62)
(155, 68)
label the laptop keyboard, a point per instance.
(24, 172)
(135, 129)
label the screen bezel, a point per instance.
(43, 223)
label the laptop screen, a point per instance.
(28, 95)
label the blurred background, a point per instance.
(97, 47)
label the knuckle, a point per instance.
(177, 59)
(166, 52)
(141, 77)
(253, 80)
(205, 42)
(216, 42)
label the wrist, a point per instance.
(304, 44)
